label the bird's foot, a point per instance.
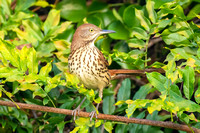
(92, 114)
(76, 112)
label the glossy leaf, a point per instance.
(72, 10)
(121, 32)
(129, 17)
(124, 91)
(108, 104)
(136, 43)
(151, 12)
(139, 33)
(52, 20)
(32, 28)
(108, 126)
(157, 80)
(143, 20)
(188, 81)
(44, 71)
(197, 93)
(23, 4)
(32, 63)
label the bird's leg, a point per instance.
(96, 110)
(77, 110)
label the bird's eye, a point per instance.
(91, 30)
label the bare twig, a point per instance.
(56, 2)
(13, 4)
(117, 87)
(35, 9)
(132, 77)
(152, 42)
(104, 116)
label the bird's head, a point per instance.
(86, 34)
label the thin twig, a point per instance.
(103, 116)
(132, 77)
(152, 42)
(117, 87)
(35, 9)
(56, 2)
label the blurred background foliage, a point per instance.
(35, 37)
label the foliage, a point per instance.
(33, 67)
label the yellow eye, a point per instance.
(91, 30)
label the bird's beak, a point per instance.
(106, 31)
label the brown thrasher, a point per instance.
(87, 62)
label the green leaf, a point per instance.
(163, 23)
(97, 6)
(108, 126)
(73, 10)
(175, 38)
(108, 102)
(32, 28)
(136, 43)
(151, 12)
(9, 52)
(159, 3)
(178, 10)
(124, 90)
(129, 17)
(52, 20)
(61, 126)
(39, 92)
(139, 33)
(28, 86)
(193, 12)
(197, 93)
(42, 3)
(143, 20)
(157, 80)
(6, 6)
(121, 32)
(142, 92)
(44, 71)
(23, 4)
(32, 63)
(188, 81)
(121, 128)
(23, 58)
(117, 15)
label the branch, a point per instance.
(103, 116)
(127, 71)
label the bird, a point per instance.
(87, 62)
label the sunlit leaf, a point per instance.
(139, 33)
(151, 12)
(23, 4)
(44, 71)
(108, 126)
(143, 20)
(188, 81)
(32, 63)
(32, 28)
(52, 20)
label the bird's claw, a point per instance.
(92, 115)
(75, 112)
